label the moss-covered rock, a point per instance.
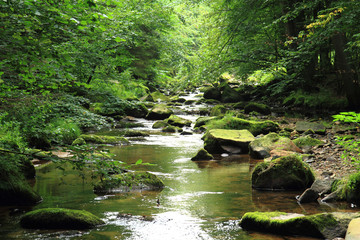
(135, 133)
(284, 173)
(218, 110)
(347, 189)
(158, 96)
(171, 129)
(212, 93)
(95, 139)
(303, 126)
(119, 108)
(323, 225)
(230, 95)
(255, 127)
(202, 155)
(59, 218)
(129, 181)
(78, 142)
(224, 140)
(307, 141)
(14, 189)
(178, 121)
(260, 148)
(201, 121)
(257, 107)
(160, 124)
(159, 112)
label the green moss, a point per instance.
(129, 181)
(59, 218)
(178, 121)
(159, 96)
(91, 138)
(159, 112)
(307, 141)
(204, 120)
(286, 173)
(218, 110)
(255, 127)
(172, 129)
(257, 107)
(289, 224)
(202, 155)
(160, 124)
(78, 142)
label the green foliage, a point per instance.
(351, 144)
(64, 131)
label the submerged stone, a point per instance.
(261, 148)
(225, 140)
(129, 181)
(323, 225)
(284, 173)
(59, 218)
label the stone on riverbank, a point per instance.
(202, 155)
(346, 189)
(129, 181)
(323, 225)
(230, 95)
(212, 93)
(224, 140)
(303, 126)
(201, 121)
(218, 110)
(317, 189)
(97, 139)
(307, 141)
(255, 127)
(178, 121)
(284, 173)
(260, 148)
(159, 112)
(59, 218)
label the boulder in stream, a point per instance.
(202, 155)
(257, 107)
(212, 93)
(261, 147)
(59, 218)
(225, 140)
(323, 225)
(159, 112)
(230, 95)
(129, 181)
(178, 121)
(284, 173)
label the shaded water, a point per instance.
(201, 200)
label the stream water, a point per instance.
(201, 200)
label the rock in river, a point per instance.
(129, 181)
(159, 112)
(59, 218)
(224, 140)
(284, 173)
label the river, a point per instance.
(201, 200)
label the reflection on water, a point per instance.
(202, 200)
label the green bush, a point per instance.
(64, 131)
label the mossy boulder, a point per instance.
(96, 139)
(307, 141)
(159, 112)
(158, 96)
(171, 129)
(60, 218)
(201, 121)
(302, 126)
(135, 133)
(284, 173)
(218, 110)
(255, 127)
(14, 189)
(230, 95)
(78, 142)
(225, 140)
(257, 107)
(202, 155)
(129, 181)
(323, 225)
(178, 121)
(160, 124)
(212, 93)
(119, 108)
(261, 148)
(347, 189)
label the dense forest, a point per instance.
(69, 67)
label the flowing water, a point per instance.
(201, 200)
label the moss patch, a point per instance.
(218, 110)
(255, 127)
(178, 121)
(129, 181)
(284, 173)
(202, 155)
(59, 218)
(287, 224)
(257, 107)
(307, 141)
(159, 112)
